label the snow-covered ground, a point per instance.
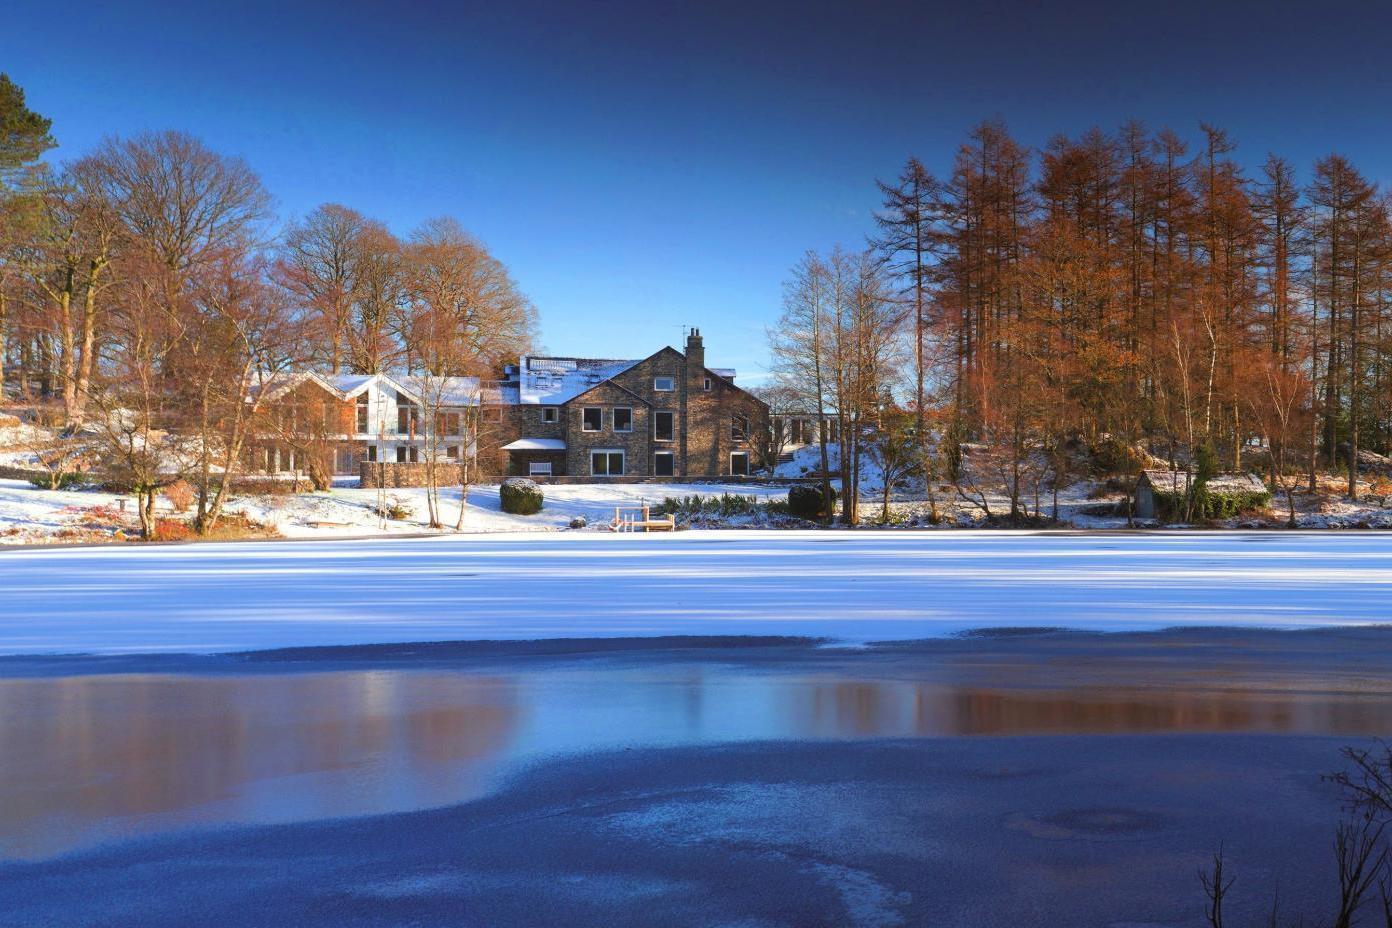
(853, 586)
(29, 515)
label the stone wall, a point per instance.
(20, 473)
(395, 474)
(634, 443)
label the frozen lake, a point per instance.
(986, 780)
(851, 586)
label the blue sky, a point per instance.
(641, 166)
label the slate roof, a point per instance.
(555, 381)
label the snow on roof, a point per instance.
(553, 381)
(727, 372)
(535, 444)
(500, 394)
(443, 391)
(347, 384)
(1168, 481)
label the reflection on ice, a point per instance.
(93, 758)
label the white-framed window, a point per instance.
(607, 462)
(708, 384)
(739, 463)
(664, 425)
(623, 418)
(538, 468)
(664, 384)
(591, 419)
(452, 452)
(664, 464)
(372, 453)
(549, 414)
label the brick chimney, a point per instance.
(695, 357)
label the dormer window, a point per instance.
(664, 384)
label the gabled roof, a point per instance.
(452, 391)
(1167, 481)
(615, 385)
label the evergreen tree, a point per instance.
(24, 135)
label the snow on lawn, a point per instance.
(30, 515)
(854, 586)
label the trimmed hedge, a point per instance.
(520, 496)
(807, 502)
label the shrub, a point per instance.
(726, 504)
(172, 530)
(180, 495)
(520, 496)
(59, 480)
(395, 509)
(807, 502)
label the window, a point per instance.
(401, 454)
(591, 419)
(452, 452)
(664, 384)
(664, 425)
(708, 384)
(623, 419)
(739, 427)
(447, 423)
(539, 469)
(548, 414)
(372, 453)
(664, 464)
(493, 414)
(362, 412)
(414, 455)
(407, 420)
(607, 463)
(739, 463)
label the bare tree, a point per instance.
(463, 316)
(799, 345)
(322, 264)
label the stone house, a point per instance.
(666, 415)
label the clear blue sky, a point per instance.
(641, 166)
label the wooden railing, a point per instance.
(641, 519)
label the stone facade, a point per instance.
(704, 422)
